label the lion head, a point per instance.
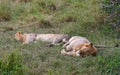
(19, 36)
(87, 49)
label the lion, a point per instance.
(78, 46)
(53, 39)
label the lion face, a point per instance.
(18, 36)
(87, 49)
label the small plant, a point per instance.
(111, 65)
(5, 14)
(69, 18)
(44, 24)
(48, 4)
(12, 66)
(22, 1)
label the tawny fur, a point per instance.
(80, 45)
(53, 39)
(25, 38)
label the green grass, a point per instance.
(80, 17)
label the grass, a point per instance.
(78, 17)
(11, 63)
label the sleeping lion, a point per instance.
(53, 39)
(78, 46)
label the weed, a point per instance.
(12, 66)
(111, 65)
(5, 13)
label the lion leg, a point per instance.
(69, 48)
(63, 52)
(55, 42)
(25, 42)
(64, 46)
(77, 53)
(73, 53)
(70, 53)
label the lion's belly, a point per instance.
(46, 39)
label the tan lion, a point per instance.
(78, 46)
(53, 39)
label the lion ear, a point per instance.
(87, 45)
(91, 44)
(19, 32)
